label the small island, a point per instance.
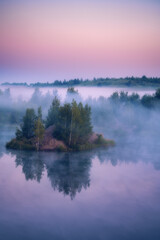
(66, 128)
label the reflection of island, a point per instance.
(32, 165)
(69, 173)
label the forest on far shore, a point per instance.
(123, 82)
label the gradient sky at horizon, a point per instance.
(69, 39)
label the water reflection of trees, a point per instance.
(68, 173)
(131, 153)
(32, 165)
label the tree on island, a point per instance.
(71, 122)
(40, 113)
(39, 132)
(31, 127)
(53, 112)
(74, 124)
(28, 124)
(68, 127)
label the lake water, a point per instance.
(103, 194)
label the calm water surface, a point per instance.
(101, 194)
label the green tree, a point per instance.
(74, 124)
(19, 134)
(77, 127)
(72, 90)
(86, 126)
(53, 113)
(114, 97)
(40, 113)
(28, 124)
(39, 132)
(62, 127)
(157, 94)
(147, 101)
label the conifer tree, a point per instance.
(39, 132)
(74, 124)
(53, 112)
(62, 126)
(28, 123)
(40, 113)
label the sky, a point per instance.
(51, 39)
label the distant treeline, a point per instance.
(148, 101)
(128, 82)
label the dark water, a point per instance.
(101, 194)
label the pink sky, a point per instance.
(81, 39)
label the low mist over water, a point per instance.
(25, 93)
